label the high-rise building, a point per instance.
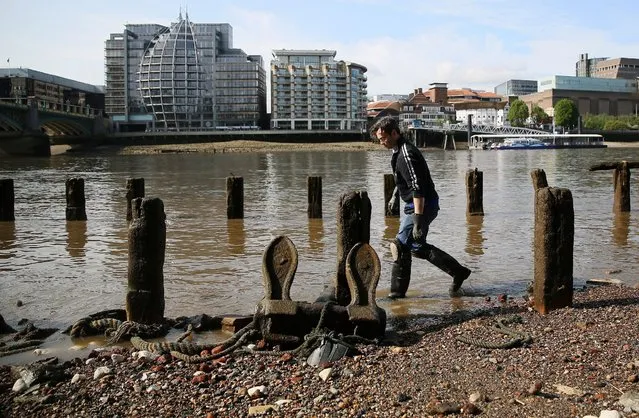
(310, 90)
(185, 77)
(585, 67)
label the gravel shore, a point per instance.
(577, 362)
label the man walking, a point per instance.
(420, 205)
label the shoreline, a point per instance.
(579, 361)
(248, 146)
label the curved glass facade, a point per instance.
(186, 77)
(173, 83)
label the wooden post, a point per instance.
(147, 244)
(314, 185)
(553, 250)
(622, 188)
(134, 189)
(538, 179)
(75, 200)
(621, 179)
(389, 188)
(235, 197)
(353, 226)
(7, 200)
(475, 192)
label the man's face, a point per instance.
(387, 140)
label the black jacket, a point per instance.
(411, 172)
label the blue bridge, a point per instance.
(30, 126)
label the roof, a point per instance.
(50, 78)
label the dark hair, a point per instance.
(387, 124)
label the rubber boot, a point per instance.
(448, 265)
(400, 271)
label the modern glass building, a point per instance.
(186, 77)
(310, 90)
(516, 88)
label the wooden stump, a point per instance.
(7, 200)
(389, 190)
(75, 200)
(353, 226)
(314, 197)
(235, 197)
(554, 242)
(147, 244)
(538, 179)
(475, 192)
(622, 188)
(134, 189)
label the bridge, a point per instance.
(419, 130)
(30, 125)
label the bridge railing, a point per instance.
(49, 106)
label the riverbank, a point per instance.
(250, 146)
(579, 361)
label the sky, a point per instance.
(404, 44)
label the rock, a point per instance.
(475, 397)
(567, 390)
(19, 386)
(100, 372)
(256, 391)
(630, 401)
(535, 388)
(261, 409)
(610, 414)
(76, 378)
(325, 374)
(117, 358)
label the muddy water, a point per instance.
(59, 271)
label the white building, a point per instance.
(310, 90)
(483, 113)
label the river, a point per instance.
(54, 272)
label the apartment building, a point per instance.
(182, 77)
(310, 90)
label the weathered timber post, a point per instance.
(475, 192)
(147, 244)
(235, 197)
(553, 248)
(314, 185)
(353, 226)
(538, 179)
(7, 200)
(621, 180)
(75, 200)
(134, 189)
(622, 188)
(389, 191)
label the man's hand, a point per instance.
(392, 201)
(418, 226)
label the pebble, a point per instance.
(326, 373)
(100, 372)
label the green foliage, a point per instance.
(611, 123)
(539, 115)
(518, 113)
(566, 114)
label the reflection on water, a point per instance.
(7, 239)
(475, 237)
(76, 238)
(621, 227)
(236, 236)
(316, 235)
(213, 265)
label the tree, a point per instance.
(539, 115)
(518, 113)
(566, 114)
